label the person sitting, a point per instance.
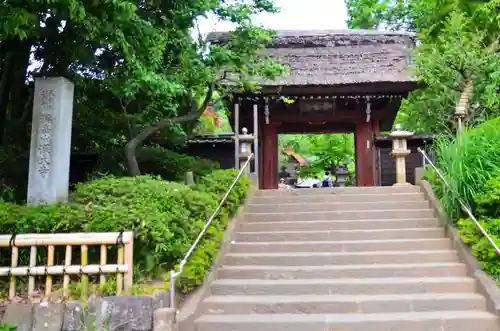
(327, 180)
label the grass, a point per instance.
(467, 164)
(76, 289)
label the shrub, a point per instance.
(171, 165)
(488, 213)
(158, 161)
(17, 219)
(216, 183)
(467, 164)
(488, 203)
(167, 217)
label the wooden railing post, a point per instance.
(123, 268)
(13, 263)
(84, 277)
(129, 260)
(67, 262)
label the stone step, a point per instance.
(340, 215)
(367, 197)
(341, 258)
(341, 304)
(344, 271)
(339, 246)
(345, 286)
(341, 190)
(340, 235)
(335, 206)
(341, 225)
(413, 321)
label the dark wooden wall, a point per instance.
(222, 152)
(386, 167)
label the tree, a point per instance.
(233, 66)
(457, 42)
(140, 74)
(325, 150)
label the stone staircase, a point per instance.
(343, 259)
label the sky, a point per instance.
(293, 15)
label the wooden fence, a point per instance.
(123, 267)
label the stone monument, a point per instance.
(50, 148)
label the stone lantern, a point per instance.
(341, 174)
(399, 152)
(246, 141)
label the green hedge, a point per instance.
(488, 214)
(167, 216)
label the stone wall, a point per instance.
(124, 313)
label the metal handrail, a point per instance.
(173, 273)
(462, 203)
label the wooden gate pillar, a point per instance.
(365, 154)
(269, 166)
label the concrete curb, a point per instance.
(485, 285)
(189, 312)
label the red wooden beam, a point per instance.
(365, 154)
(269, 164)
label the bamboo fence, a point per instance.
(123, 267)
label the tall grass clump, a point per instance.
(468, 163)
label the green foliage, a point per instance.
(7, 327)
(467, 164)
(13, 174)
(158, 161)
(471, 165)
(171, 165)
(166, 216)
(135, 64)
(461, 51)
(488, 203)
(488, 212)
(457, 41)
(325, 150)
(216, 184)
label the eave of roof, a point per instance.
(338, 57)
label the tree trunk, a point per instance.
(194, 114)
(6, 77)
(131, 147)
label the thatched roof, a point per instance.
(338, 57)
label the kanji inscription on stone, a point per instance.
(44, 147)
(47, 97)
